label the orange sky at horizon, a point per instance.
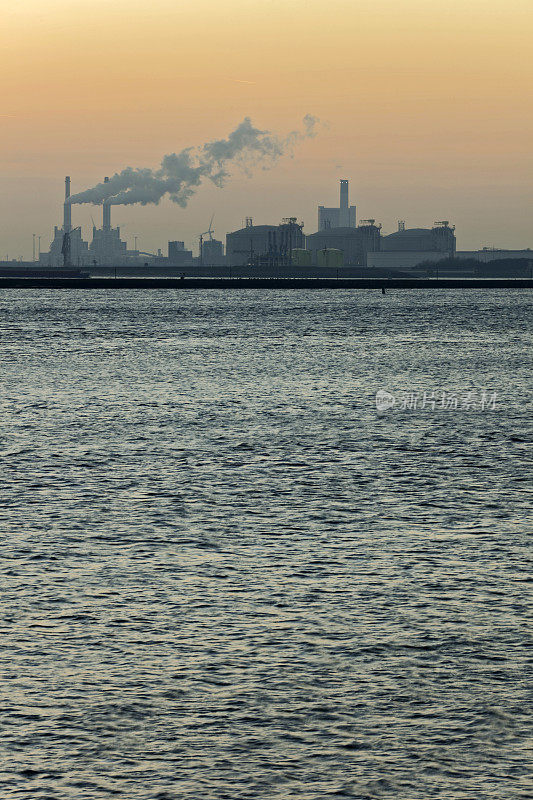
(428, 108)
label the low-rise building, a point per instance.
(178, 256)
(212, 254)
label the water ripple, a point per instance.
(226, 575)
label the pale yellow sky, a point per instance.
(428, 105)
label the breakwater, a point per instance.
(265, 283)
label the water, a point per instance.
(225, 574)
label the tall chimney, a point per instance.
(344, 216)
(106, 212)
(67, 208)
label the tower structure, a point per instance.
(344, 212)
(67, 247)
(345, 216)
(67, 208)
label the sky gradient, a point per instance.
(428, 110)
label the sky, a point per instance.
(426, 109)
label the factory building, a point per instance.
(439, 239)
(264, 245)
(178, 256)
(68, 247)
(107, 248)
(354, 243)
(212, 253)
(342, 217)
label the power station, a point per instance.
(107, 248)
(340, 241)
(68, 249)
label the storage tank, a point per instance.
(440, 238)
(301, 257)
(330, 257)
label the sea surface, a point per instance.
(226, 574)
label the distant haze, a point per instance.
(428, 108)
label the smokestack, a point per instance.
(106, 213)
(344, 217)
(67, 208)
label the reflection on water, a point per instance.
(225, 574)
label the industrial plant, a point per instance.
(341, 242)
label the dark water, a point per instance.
(226, 575)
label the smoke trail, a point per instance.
(180, 174)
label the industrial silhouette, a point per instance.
(341, 241)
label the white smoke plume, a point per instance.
(180, 174)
